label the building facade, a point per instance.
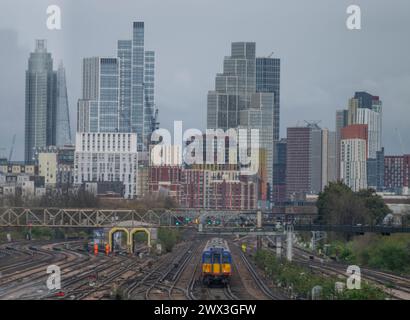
(63, 127)
(298, 178)
(233, 88)
(56, 166)
(279, 171)
(41, 101)
(107, 157)
(353, 163)
(137, 83)
(397, 174)
(98, 109)
(311, 160)
(268, 80)
(353, 155)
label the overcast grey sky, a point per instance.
(323, 63)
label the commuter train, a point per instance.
(216, 262)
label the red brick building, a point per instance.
(205, 189)
(396, 172)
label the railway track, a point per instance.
(394, 285)
(259, 281)
(181, 286)
(19, 284)
(110, 274)
(156, 283)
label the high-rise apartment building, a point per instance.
(41, 101)
(342, 117)
(353, 153)
(365, 109)
(107, 157)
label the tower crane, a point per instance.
(12, 147)
(400, 140)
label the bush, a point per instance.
(301, 280)
(168, 238)
(385, 253)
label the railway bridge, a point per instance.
(131, 222)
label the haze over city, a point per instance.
(204, 150)
(322, 63)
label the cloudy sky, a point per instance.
(323, 63)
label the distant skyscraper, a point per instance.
(279, 171)
(118, 93)
(233, 88)
(63, 129)
(260, 116)
(268, 80)
(137, 80)
(353, 155)
(366, 109)
(375, 171)
(328, 155)
(149, 96)
(311, 160)
(298, 178)
(98, 108)
(40, 113)
(342, 117)
(246, 95)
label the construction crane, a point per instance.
(12, 147)
(400, 140)
(2, 154)
(269, 56)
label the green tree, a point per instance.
(338, 204)
(374, 204)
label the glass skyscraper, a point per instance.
(268, 80)
(246, 95)
(98, 110)
(40, 111)
(63, 129)
(118, 93)
(137, 69)
(233, 88)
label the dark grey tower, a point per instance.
(63, 131)
(40, 113)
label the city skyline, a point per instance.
(182, 87)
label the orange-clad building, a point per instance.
(356, 131)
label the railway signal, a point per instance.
(244, 247)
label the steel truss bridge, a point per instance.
(97, 218)
(229, 222)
